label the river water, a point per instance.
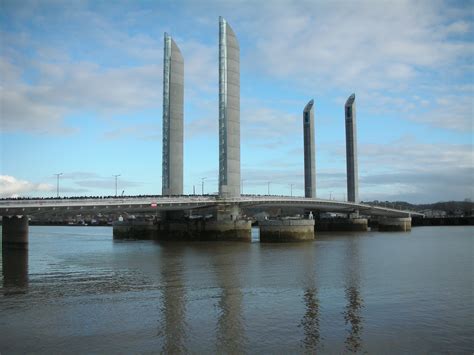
(79, 291)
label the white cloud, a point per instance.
(13, 187)
(452, 112)
(67, 88)
(268, 127)
(404, 169)
(367, 44)
(408, 155)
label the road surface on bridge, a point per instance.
(152, 204)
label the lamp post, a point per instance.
(116, 177)
(291, 190)
(202, 185)
(57, 183)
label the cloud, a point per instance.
(416, 186)
(365, 42)
(149, 132)
(406, 154)
(403, 169)
(13, 187)
(260, 126)
(200, 67)
(87, 181)
(71, 184)
(68, 88)
(269, 127)
(201, 127)
(365, 46)
(452, 112)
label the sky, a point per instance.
(81, 94)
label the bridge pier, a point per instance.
(200, 230)
(392, 224)
(141, 230)
(15, 232)
(342, 225)
(227, 225)
(286, 230)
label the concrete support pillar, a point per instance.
(139, 230)
(15, 232)
(237, 230)
(228, 212)
(286, 230)
(228, 225)
(342, 225)
(391, 224)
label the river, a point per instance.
(78, 291)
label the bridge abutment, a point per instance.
(392, 224)
(15, 232)
(286, 230)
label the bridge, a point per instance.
(152, 204)
(228, 223)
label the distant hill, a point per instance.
(450, 207)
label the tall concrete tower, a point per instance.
(351, 150)
(173, 99)
(229, 111)
(309, 156)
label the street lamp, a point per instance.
(291, 190)
(57, 183)
(116, 176)
(202, 185)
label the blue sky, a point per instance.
(81, 94)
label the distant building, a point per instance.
(173, 112)
(309, 151)
(229, 111)
(351, 150)
(434, 213)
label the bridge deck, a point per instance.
(137, 205)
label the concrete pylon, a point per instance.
(229, 112)
(309, 151)
(173, 112)
(351, 150)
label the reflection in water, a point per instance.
(352, 316)
(15, 270)
(88, 294)
(355, 303)
(230, 323)
(173, 324)
(310, 321)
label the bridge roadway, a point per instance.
(152, 204)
